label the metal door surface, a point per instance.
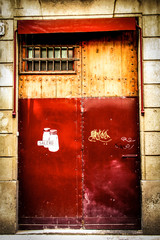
(50, 182)
(91, 180)
(111, 163)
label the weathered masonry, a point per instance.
(79, 109)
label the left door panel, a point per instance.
(50, 191)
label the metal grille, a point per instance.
(51, 59)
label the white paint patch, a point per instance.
(4, 122)
(1, 115)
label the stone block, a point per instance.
(143, 168)
(150, 207)
(151, 48)
(6, 169)
(152, 96)
(152, 119)
(14, 168)
(151, 71)
(152, 167)
(151, 26)
(6, 98)
(31, 9)
(6, 75)
(128, 6)
(150, 7)
(8, 145)
(142, 136)
(6, 51)
(7, 122)
(8, 196)
(152, 143)
(64, 7)
(8, 30)
(6, 8)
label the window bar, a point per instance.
(25, 61)
(73, 66)
(46, 60)
(32, 62)
(39, 60)
(32, 65)
(33, 56)
(67, 57)
(60, 67)
(47, 68)
(47, 64)
(73, 55)
(53, 58)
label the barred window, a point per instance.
(44, 58)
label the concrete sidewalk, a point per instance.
(49, 236)
(76, 237)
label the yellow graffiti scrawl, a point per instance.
(101, 135)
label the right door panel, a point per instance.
(111, 163)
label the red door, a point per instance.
(91, 107)
(111, 163)
(50, 189)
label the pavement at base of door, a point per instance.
(41, 236)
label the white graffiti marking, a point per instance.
(127, 139)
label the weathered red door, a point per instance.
(50, 182)
(111, 163)
(86, 90)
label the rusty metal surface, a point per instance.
(50, 182)
(111, 181)
(75, 25)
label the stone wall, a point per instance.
(149, 18)
(8, 125)
(151, 127)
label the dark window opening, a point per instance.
(43, 57)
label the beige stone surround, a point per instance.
(148, 12)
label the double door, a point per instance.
(92, 180)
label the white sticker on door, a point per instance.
(49, 140)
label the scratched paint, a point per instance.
(106, 132)
(50, 182)
(111, 183)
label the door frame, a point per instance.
(21, 22)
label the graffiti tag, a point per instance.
(127, 139)
(99, 135)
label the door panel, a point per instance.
(53, 85)
(50, 182)
(92, 181)
(109, 63)
(111, 163)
